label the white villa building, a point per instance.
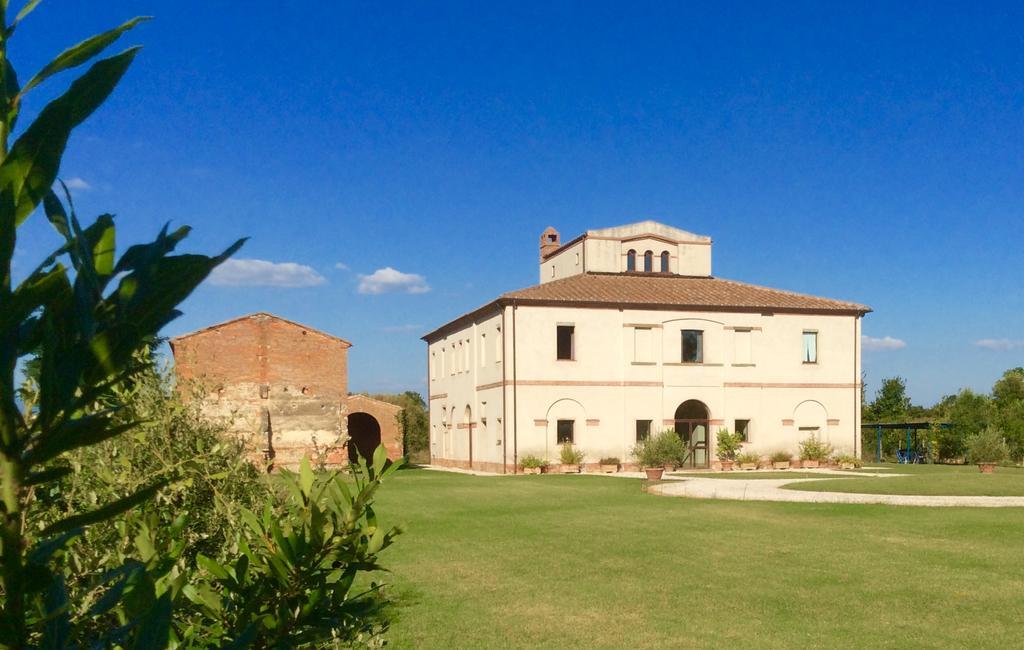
(629, 333)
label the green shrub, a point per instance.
(844, 459)
(748, 457)
(727, 444)
(780, 456)
(529, 461)
(610, 460)
(660, 449)
(814, 449)
(988, 446)
(569, 455)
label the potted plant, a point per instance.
(780, 459)
(813, 452)
(571, 459)
(727, 444)
(532, 464)
(657, 451)
(748, 460)
(987, 449)
(609, 464)
(846, 461)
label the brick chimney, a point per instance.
(549, 242)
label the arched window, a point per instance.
(631, 260)
(664, 262)
(648, 262)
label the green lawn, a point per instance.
(565, 561)
(930, 480)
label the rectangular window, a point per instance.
(693, 346)
(565, 431)
(741, 339)
(483, 350)
(643, 430)
(743, 429)
(566, 343)
(433, 365)
(810, 347)
(465, 352)
(642, 344)
(498, 342)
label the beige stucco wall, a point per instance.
(605, 389)
(569, 261)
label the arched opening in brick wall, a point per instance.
(364, 436)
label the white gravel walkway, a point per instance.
(771, 490)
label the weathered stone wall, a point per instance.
(262, 370)
(387, 417)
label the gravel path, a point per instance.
(771, 490)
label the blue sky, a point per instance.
(864, 151)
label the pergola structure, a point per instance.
(913, 453)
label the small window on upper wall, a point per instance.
(565, 342)
(648, 262)
(483, 350)
(497, 346)
(552, 270)
(743, 429)
(693, 346)
(577, 259)
(565, 431)
(631, 261)
(810, 347)
(664, 262)
(643, 430)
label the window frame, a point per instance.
(572, 341)
(664, 262)
(700, 347)
(650, 426)
(648, 261)
(746, 430)
(631, 261)
(558, 432)
(803, 347)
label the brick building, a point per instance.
(283, 387)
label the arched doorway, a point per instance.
(363, 436)
(691, 423)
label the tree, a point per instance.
(1009, 389)
(891, 403)
(969, 414)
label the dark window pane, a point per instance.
(664, 262)
(648, 262)
(693, 346)
(565, 341)
(643, 429)
(565, 431)
(631, 261)
(743, 428)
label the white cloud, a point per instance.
(403, 328)
(77, 183)
(884, 343)
(389, 280)
(341, 266)
(1002, 345)
(261, 273)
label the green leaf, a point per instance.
(106, 512)
(306, 476)
(78, 54)
(30, 168)
(25, 11)
(154, 631)
(210, 565)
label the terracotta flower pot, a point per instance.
(810, 464)
(531, 470)
(780, 464)
(748, 466)
(987, 468)
(609, 469)
(727, 465)
(847, 466)
(654, 473)
(570, 469)
(669, 467)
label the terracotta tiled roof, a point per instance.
(673, 291)
(657, 291)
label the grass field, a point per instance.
(930, 480)
(564, 561)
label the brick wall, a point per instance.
(262, 366)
